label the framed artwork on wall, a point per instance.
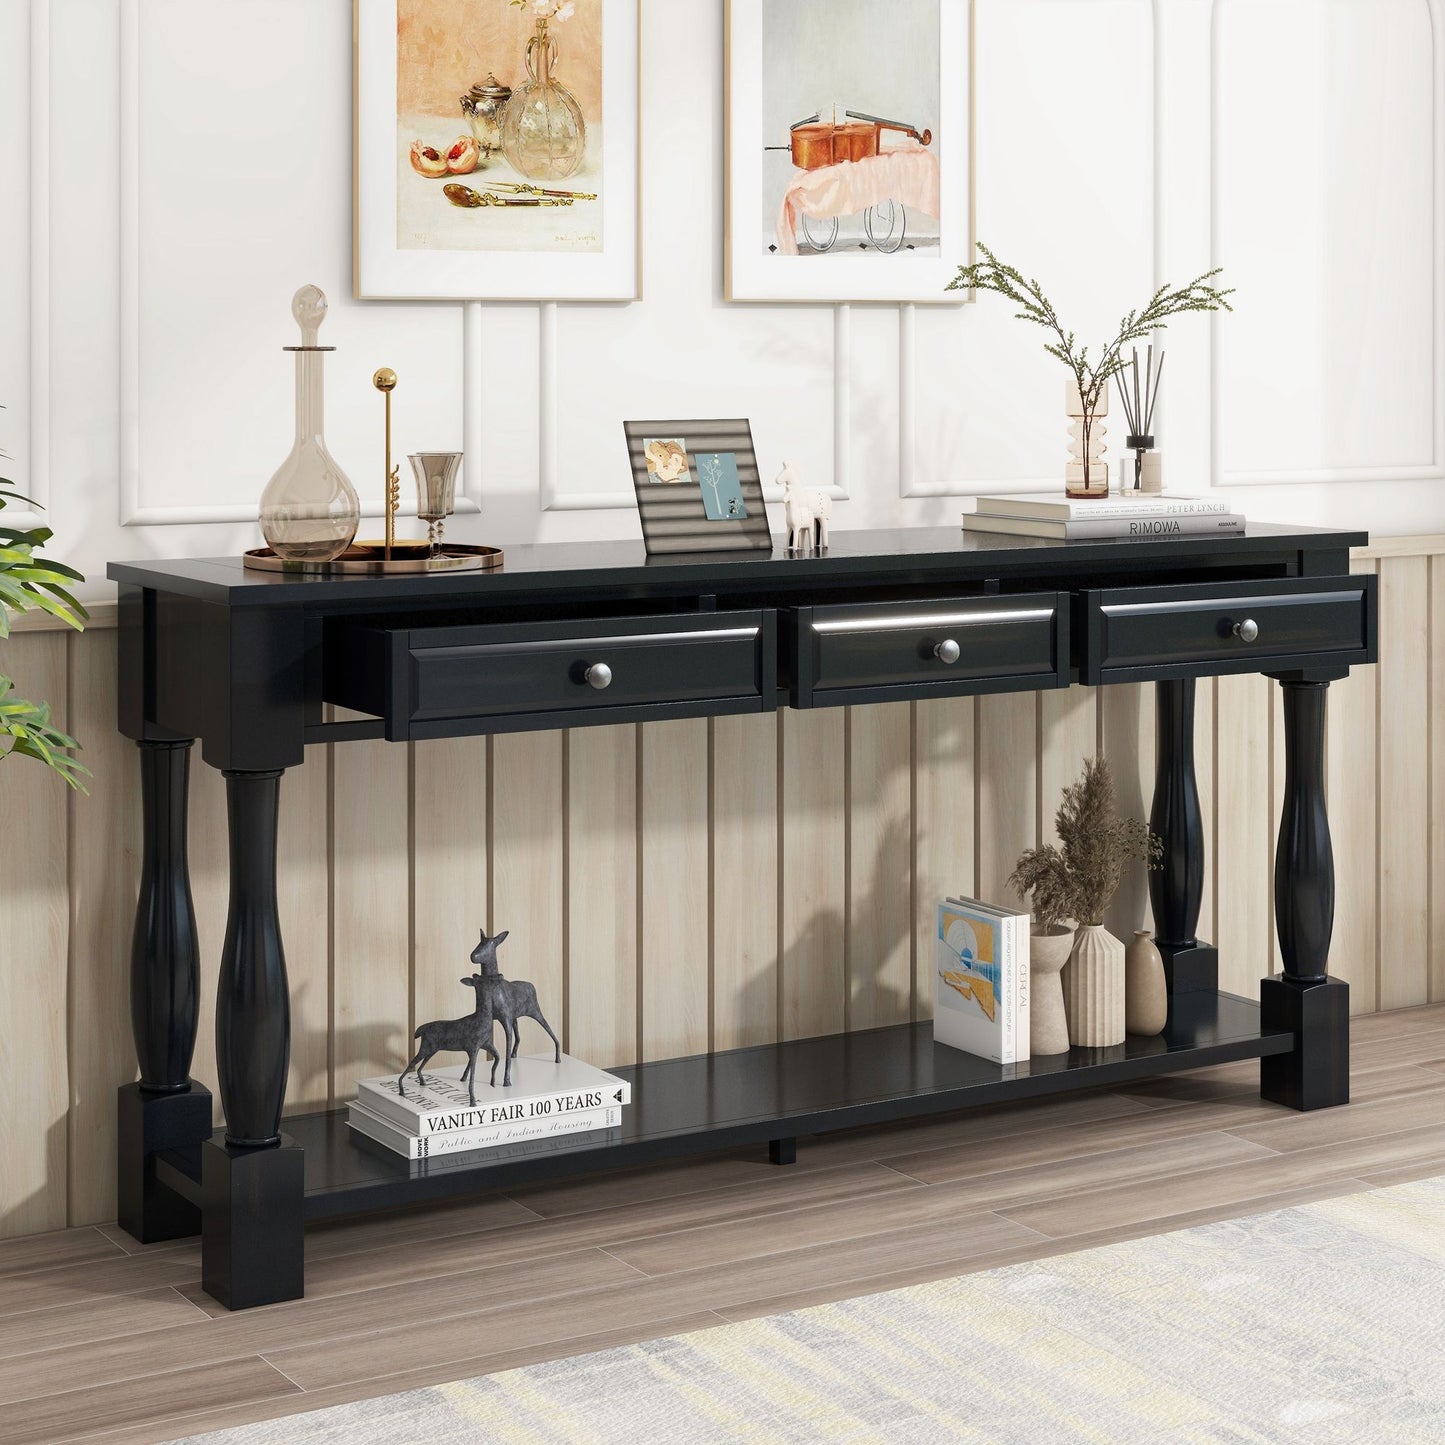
(849, 149)
(697, 485)
(496, 150)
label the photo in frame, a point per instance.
(698, 488)
(849, 149)
(496, 150)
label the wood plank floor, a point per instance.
(105, 1339)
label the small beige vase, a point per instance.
(1146, 997)
(1094, 989)
(1048, 1024)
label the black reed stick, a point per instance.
(1154, 398)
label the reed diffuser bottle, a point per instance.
(309, 510)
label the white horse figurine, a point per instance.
(807, 514)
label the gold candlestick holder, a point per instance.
(385, 382)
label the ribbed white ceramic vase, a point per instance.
(1094, 989)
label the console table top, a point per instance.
(560, 566)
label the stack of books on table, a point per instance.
(981, 987)
(1072, 519)
(546, 1100)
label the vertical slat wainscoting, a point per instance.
(370, 911)
(210, 886)
(1068, 733)
(1243, 828)
(1404, 760)
(1008, 784)
(34, 1062)
(1126, 728)
(814, 870)
(944, 860)
(303, 888)
(676, 888)
(880, 875)
(1352, 797)
(449, 829)
(602, 895)
(745, 880)
(1437, 778)
(528, 833)
(1205, 731)
(105, 844)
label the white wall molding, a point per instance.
(34, 480)
(555, 499)
(1434, 471)
(133, 510)
(910, 485)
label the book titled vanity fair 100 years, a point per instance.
(545, 1098)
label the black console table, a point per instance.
(567, 636)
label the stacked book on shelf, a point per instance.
(1070, 519)
(546, 1100)
(981, 991)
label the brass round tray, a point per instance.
(366, 559)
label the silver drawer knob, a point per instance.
(599, 675)
(947, 650)
(1247, 630)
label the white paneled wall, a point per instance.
(182, 165)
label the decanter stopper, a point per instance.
(308, 306)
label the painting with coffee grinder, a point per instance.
(499, 125)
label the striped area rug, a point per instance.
(1318, 1324)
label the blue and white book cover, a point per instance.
(969, 1005)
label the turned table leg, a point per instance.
(1304, 999)
(1176, 888)
(166, 1111)
(251, 1245)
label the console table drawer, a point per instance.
(941, 647)
(1138, 633)
(455, 680)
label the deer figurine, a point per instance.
(507, 1002)
(807, 513)
(470, 1036)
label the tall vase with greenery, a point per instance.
(1090, 375)
(1075, 879)
(29, 580)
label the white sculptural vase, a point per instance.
(1094, 989)
(1048, 1024)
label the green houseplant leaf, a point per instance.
(30, 581)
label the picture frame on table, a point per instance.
(850, 154)
(698, 487)
(559, 222)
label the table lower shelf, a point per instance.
(776, 1091)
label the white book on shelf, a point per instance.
(1017, 928)
(981, 962)
(459, 1141)
(1106, 527)
(540, 1088)
(1058, 506)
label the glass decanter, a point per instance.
(543, 134)
(309, 510)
